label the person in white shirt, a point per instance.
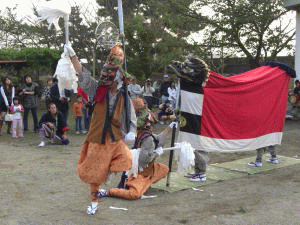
(148, 91)
(172, 91)
(134, 89)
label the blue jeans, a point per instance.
(78, 121)
(34, 116)
(88, 122)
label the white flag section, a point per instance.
(191, 102)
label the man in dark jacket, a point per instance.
(164, 88)
(52, 125)
(62, 102)
(29, 95)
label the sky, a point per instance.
(24, 9)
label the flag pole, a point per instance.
(122, 34)
(171, 154)
(178, 103)
(121, 26)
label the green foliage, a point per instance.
(31, 55)
(37, 59)
(154, 36)
(250, 27)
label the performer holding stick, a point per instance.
(193, 74)
(149, 171)
(104, 150)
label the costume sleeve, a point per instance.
(147, 154)
(162, 137)
(87, 83)
(133, 120)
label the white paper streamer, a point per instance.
(148, 196)
(52, 11)
(135, 162)
(66, 74)
(112, 207)
(185, 156)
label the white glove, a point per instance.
(130, 136)
(68, 48)
(172, 125)
(159, 151)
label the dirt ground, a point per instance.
(41, 186)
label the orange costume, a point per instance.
(149, 171)
(137, 186)
(104, 150)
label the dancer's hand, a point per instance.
(173, 124)
(69, 50)
(130, 136)
(159, 151)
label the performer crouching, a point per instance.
(104, 150)
(149, 171)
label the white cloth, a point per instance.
(66, 74)
(130, 136)
(185, 156)
(172, 125)
(52, 11)
(135, 162)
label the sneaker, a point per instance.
(42, 144)
(77, 132)
(91, 210)
(84, 132)
(191, 175)
(255, 164)
(198, 178)
(103, 193)
(273, 160)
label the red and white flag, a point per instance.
(239, 113)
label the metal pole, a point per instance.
(122, 34)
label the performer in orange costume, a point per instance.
(104, 150)
(149, 171)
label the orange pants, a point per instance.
(97, 161)
(138, 186)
